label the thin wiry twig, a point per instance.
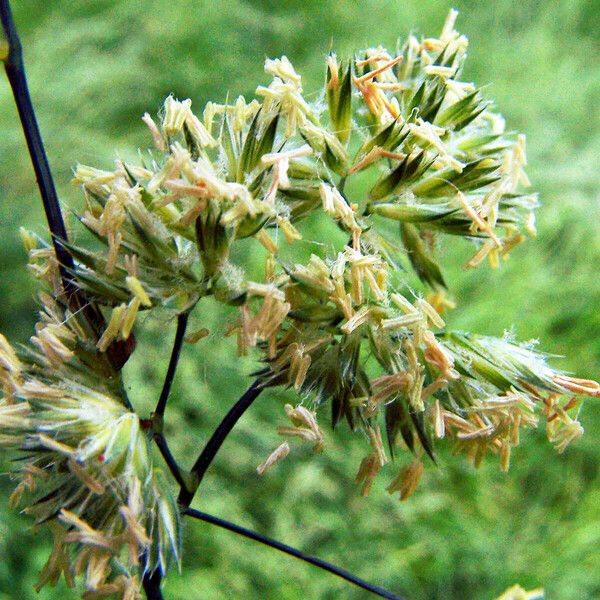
(118, 352)
(151, 583)
(317, 562)
(152, 580)
(163, 447)
(182, 321)
(218, 437)
(15, 71)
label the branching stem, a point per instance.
(317, 562)
(218, 437)
(152, 580)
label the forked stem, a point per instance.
(216, 440)
(151, 584)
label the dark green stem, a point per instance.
(182, 322)
(317, 562)
(119, 352)
(216, 441)
(165, 451)
(15, 71)
(151, 583)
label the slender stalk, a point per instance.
(15, 71)
(151, 583)
(218, 437)
(182, 322)
(11, 53)
(317, 562)
(163, 447)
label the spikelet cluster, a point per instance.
(83, 461)
(340, 326)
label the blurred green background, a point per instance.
(95, 66)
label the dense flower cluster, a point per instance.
(84, 459)
(395, 154)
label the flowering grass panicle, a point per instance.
(343, 326)
(395, 156)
